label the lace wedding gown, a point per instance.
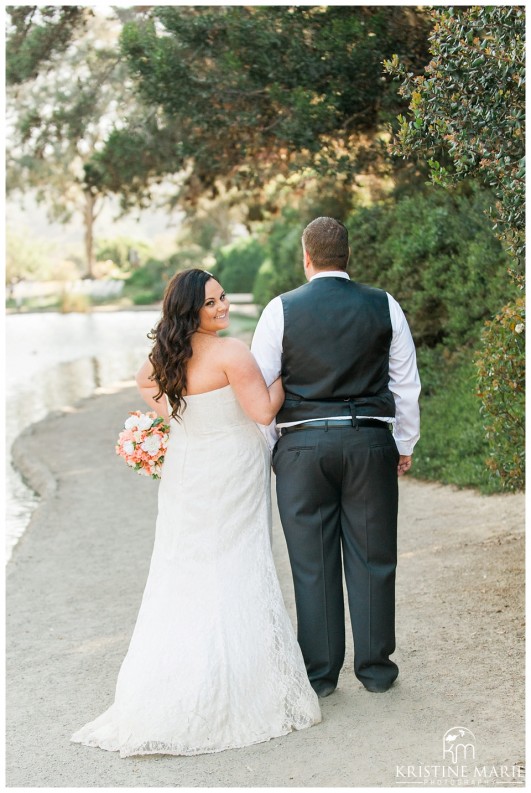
(213, 662)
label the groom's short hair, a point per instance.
(326, 241)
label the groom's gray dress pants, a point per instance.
(337, 492)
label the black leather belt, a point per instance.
(319, 424)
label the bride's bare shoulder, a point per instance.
(233, 348)
(234, 353)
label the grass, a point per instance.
(44, 303)
(452, 448)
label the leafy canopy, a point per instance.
(241, 94)
(36, 34)
(467, 112)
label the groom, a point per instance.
(348, 366)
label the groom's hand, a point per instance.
(404, 463)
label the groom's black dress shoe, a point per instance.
(323, 688)
(378, 688)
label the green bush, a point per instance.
(237, 264)
(148, 283)
(501, 383)
(151, 279)
(453, 447)
(435, 252)
(262, 284)
(145, 298)
(282, 268)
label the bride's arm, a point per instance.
(259, 402)
(148, 389)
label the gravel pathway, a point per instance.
(74, 587)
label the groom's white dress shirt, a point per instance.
(404, 382)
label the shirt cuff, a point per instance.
(271, 433)
(405, 447)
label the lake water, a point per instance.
(53, 361)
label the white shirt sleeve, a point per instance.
(404, 381)
(267, 340)
(266, 347)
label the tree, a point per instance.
(501, 386)
(62, 100)
(467, 112)
(239, 95)
(36, 34)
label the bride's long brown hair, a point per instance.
(172, 348)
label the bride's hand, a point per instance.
(276, 392)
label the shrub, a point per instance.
(237, 265)
(74, 302)
(149, 280)
(452, 446)
(145, 298)
(435, 252)
(282, 270)
(262, 289)
(501, 384)
(437, 255)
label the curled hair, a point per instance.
(172, 349)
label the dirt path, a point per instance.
(74, 586)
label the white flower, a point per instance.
(151, 444)
(128, 447)
(141, 422)
(138, 435)
(144, 422)
(520, 327)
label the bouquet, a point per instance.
(142, 443)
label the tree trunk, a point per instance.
(88, 219)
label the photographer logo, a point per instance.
(459, 745)
(459, 766)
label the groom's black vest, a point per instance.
(335, 351)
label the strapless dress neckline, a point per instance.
(206, 393)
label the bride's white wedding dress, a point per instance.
(213, 662)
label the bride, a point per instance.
(213, 662)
